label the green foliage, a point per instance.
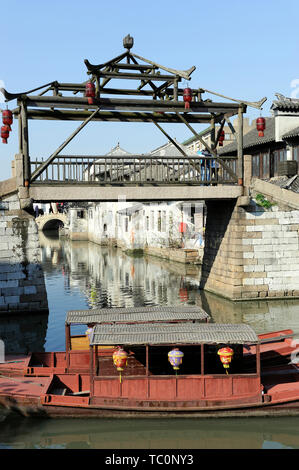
(263, 202)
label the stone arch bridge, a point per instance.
(50, 221)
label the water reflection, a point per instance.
(81, 275)
(226, 433)
(23, 333)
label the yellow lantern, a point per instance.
(226, 355)
(175, 358)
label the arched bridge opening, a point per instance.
(51, 222)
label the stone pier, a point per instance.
(251, 252)
(22, 284)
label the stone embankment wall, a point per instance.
(251, 252)
(22, 284)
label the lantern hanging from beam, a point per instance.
(187, 96)
(4, 134)
(175, 357)
(120, 360)
(90, 92)
(221, 138)
(7, 118)
(226, 355)
(261, 126)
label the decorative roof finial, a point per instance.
(128, 42)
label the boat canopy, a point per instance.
(137, 314)
(172, 334)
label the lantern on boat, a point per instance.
(226, 355)
(261, 126)
(7, 118)
(90, 92)
(187, 96)
(88, 333)
(175, 357)
(4, 134)
(120, 360)
(221, 138)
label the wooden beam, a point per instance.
(123, 104)
(210, 150)
(114, 116)
(198, 168)
(25, 142)
(39, 170)
(240, 161)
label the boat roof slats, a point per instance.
(180, 333)
(136, 314)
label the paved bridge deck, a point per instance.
(52, 192)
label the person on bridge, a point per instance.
(36, 211)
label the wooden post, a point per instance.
(202, 362)
(147, 370)
(91, 369)
(240, 163)
(25, 142)
(213, 132)
(258, 360)
(20, 133)
(67, 346)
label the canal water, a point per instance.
(83, 275)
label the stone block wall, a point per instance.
(251, 252)
(22, 284)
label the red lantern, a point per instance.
(4, 134)
(7, 118)
(182, 227)
(120, 359)
(261, 126)
(187, 96)
(90, 92)
(225, 357)
(221, 138)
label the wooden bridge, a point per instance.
(158, 99)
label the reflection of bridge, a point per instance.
(50, 221)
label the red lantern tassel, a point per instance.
(261, 134)
(187, 105)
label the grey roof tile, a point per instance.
(180, 333)
(121, 314)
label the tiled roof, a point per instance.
(174, 334)
(121, 314)
(284, 182)
(285, 104)
(292, 133)
(252, 139)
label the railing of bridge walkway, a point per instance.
(136, 169)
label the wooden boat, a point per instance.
(149, 386)
(76, 356)
(275, 347)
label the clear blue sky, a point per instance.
(242, 49)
